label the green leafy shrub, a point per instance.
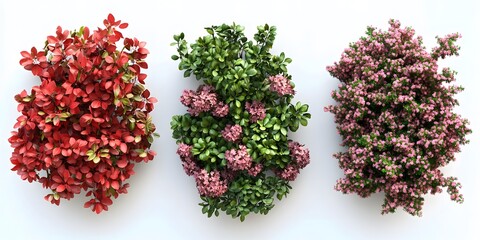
(234, 138)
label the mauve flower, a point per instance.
(289, 173)
(238, 159)
(281, 85)
(395, 113)
(220, 110)
(255, 169)
(299, 153)
(184, 150)
(256, 110)
(232, 133)
(203, 100)
(189, 166)
(209, 184)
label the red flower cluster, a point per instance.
(87, 123)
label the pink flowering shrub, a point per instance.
(233, 140)
(87, 123)
(395, 114)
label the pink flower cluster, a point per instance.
(301, 158)
(210, 184)
(281, 85)
(256, 110)
(238, 159)
(396, 118)
(232, 133)
(203, 100)
(185, 153)
(299, 153)
(446, 46)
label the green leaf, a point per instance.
(251, 72)
(304, 122)
(175, 57)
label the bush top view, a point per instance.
(87, 123)
(234, 138)
(395, 114)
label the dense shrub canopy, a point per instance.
(395, 114)
(234, 138)
(88, 121)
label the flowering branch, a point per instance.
(396, 117)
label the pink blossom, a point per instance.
(184, 150)
(255, 169)
(256, 110)
(188, 163)
(220, 110)
(232, 133)
(299, 153)
(289, 173)
(189, 166)
(281, 85)
(203, 100)
(395, 114)
(238, 159)
(209, 184)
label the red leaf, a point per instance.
(52, 39)
(152, 100)
(82, 60)
(60, 188)
(108, 84)
(129, 139)
(57, 179)
(74, 105)
(56, 151)
(143, 65)
(115, 185)
(96, 104)
(49, 88)
(108, 59)
(98, 208)
(122, 163)
(48, 146)
(122, 60)
(37, 70)
(111, 18)
(142, 77)
(89, 203)
(25, 54)
(123, 147)
(86, 32)
(146, 93)
(107, 201)
(123, 25)
(89, 89)
(143, 51)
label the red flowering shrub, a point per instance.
(87, 123)
(395, 114)
(234, 139)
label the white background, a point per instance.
(162, 200)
